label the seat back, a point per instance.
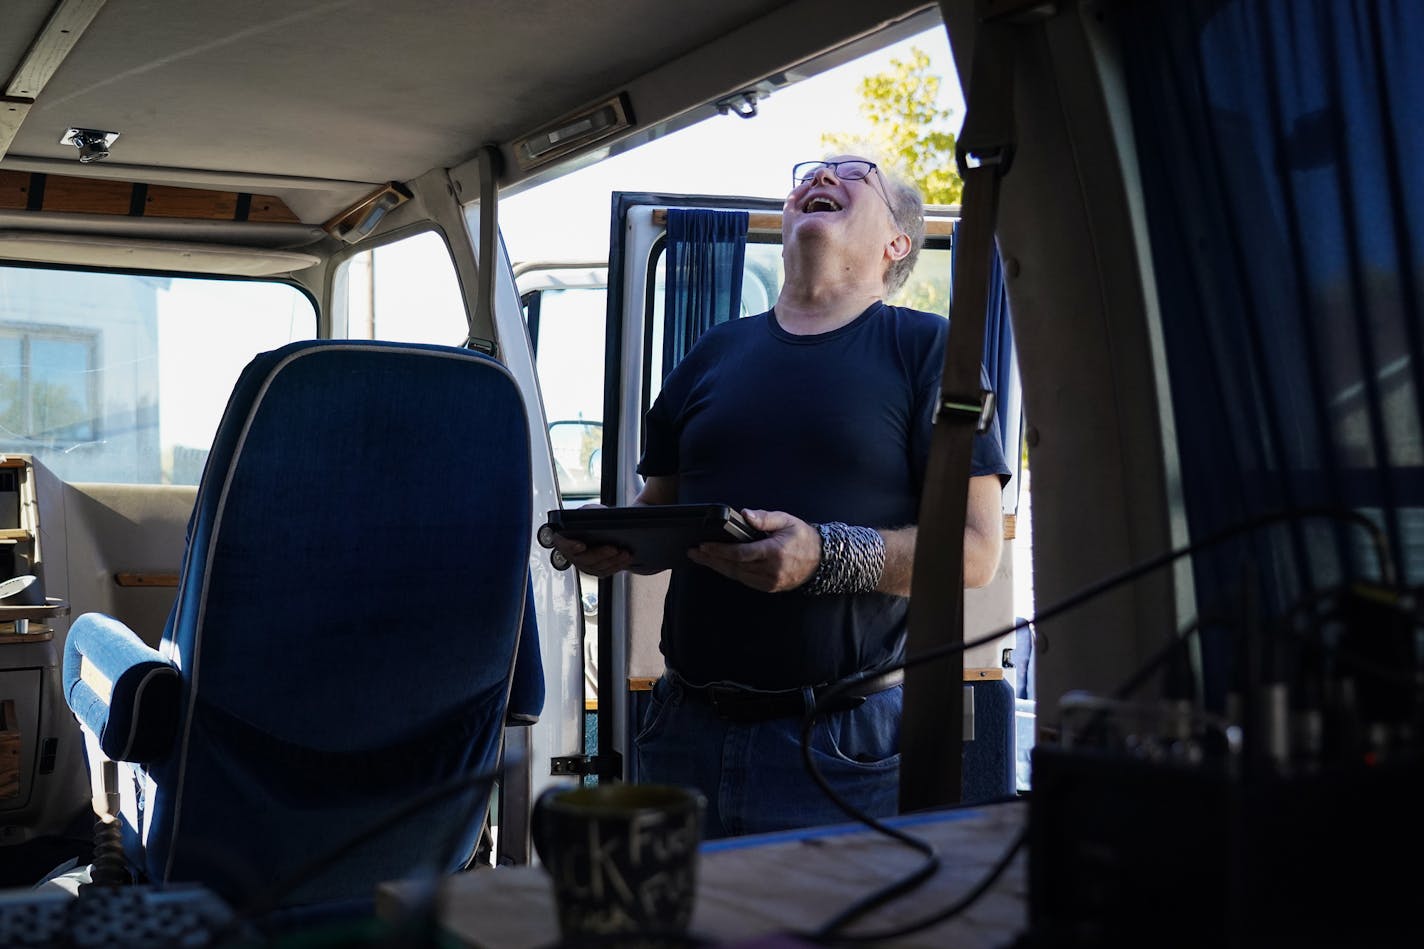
(347, 620)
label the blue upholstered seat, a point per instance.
(351, 604)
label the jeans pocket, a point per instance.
(660, 704)
(866, 737)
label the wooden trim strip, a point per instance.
(12, 115)
(51, 45)
(38, 191)
(983, 674)
(141, 579)
(769, 222)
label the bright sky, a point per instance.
(724, 155)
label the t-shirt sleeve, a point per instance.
(660, 440)
(987, 452)
(926, 399)
(987, 456)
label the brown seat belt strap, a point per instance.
(932, 728)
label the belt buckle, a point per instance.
(737, 705)
(715, 696)
(842, 702)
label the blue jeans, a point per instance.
(752, 774)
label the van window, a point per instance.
(405, 291)
(763, 272)
(124, 377)
(567, 325)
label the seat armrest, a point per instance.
(120, 689)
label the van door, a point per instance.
(629, 607)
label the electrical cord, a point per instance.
(1356, 660)
(949, 912)
(830, 930)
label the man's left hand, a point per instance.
(783, 561)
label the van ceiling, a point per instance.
(330, 98)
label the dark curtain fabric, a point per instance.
(1002, 365)
(1279, 147)
(705, 253)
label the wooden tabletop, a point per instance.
(751, 887)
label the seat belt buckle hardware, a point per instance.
(581, 765)
(1000, 155)
(982, 412)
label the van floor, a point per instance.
(26, 864)
(23, 865)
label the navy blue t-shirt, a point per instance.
(829, 427)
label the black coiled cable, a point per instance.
(108, 867)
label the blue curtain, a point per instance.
(1002, 365)
(1279, 148)
(705, 253)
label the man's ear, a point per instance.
(899, 248)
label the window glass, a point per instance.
(928, 286)
(124, 377)
(58, 386)
(12, 392)
(406, 291)
(571, 327)
(763, 272)
(569, 358)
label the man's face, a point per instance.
(850, 215)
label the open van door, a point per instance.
(629, 607)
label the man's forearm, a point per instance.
(899, 560)
(981, 558)
(982, 550)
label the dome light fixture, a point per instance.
(93, 144)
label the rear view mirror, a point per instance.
(578, 457)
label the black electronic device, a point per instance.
(1126, 853)
(1289, 819)
(658, 535)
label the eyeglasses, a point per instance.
(852, 169)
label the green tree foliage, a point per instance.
(909, 131)
(907, 127)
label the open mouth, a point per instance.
(819, 205)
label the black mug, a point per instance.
(622, 858)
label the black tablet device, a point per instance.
(658, 534)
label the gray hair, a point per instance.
(907, 208)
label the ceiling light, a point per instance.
(573, 133)
(93, 144)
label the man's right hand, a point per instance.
(603, 561)
(607, 560)
(783, 560)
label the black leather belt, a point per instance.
(743, 705)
